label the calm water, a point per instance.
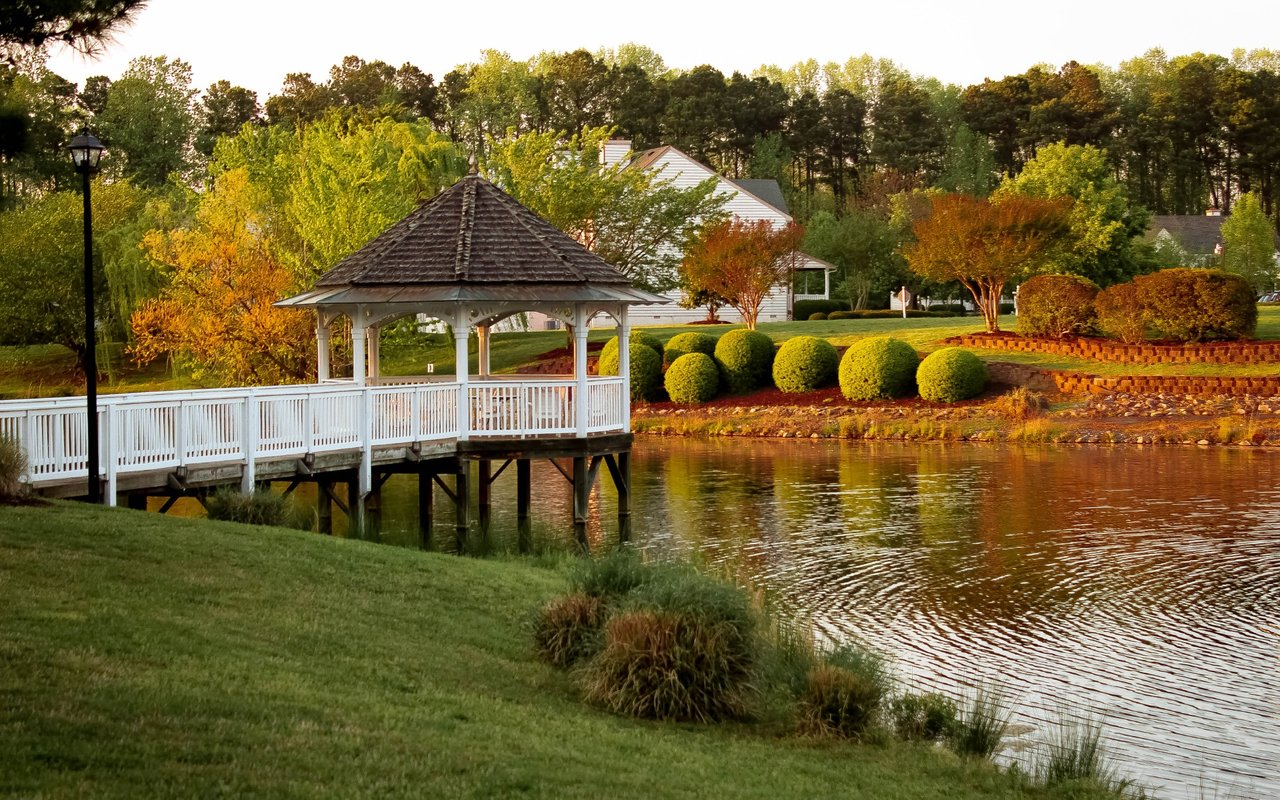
(1142, 585)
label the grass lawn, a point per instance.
(147, 656)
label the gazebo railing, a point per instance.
(153, 431)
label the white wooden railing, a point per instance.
(157, 431)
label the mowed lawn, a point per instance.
(147, 656)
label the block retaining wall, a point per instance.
(1083, 383)
(1107, 350)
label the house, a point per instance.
(745, 199)
(1197, 238)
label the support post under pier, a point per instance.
(524, 531)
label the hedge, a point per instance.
(951, 374)
(1195, 305)
(878, 368)
(745, 359)
(1057, 306)
(805, 363)
(691, 342)
(805, 309)
(692, 378)
(884, 313)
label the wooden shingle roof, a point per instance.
(472, 234)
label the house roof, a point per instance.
(766, 189)
(1196, 233)
(472, 233)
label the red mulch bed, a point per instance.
(822, 398)
(567, 352)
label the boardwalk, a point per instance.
(144, 438)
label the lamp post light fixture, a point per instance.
(86, 150)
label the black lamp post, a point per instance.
(85, 152)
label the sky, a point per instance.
(255, 43)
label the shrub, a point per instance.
(608, 363)
(691, 342)
(1057, 306)
(745, 359)
(804, 309)
(929, 717)
(837, 702)
(263, 507)
(952, 308)
(1195, 305)
(1121, 313)
(683, 648)
(1007, 308)
(982, 726)
(567, 629)
(692, 378)
(878, 368)
(817, 315)
(805, 363)
(646, 368)
(843, 315)
(13, 464)
(951, 374)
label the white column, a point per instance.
(624, 365)
(322, 349)
(460, 332)
(580, 368)
(483, 367)
(373, 333)
(357, 347)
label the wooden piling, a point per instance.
(324, 506)
(426, 509)
(524, 530)
(581, 490)
(462, 497)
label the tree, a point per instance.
(223, 110)
(969, 167)
(215, 317)
(908, 136)
(985, 244)
(301, 100)
(79, 24)
(1249, 244)
(149, 121)
(742, 261)
(37, 108)
(865, 248)
(1103, 222)
(41, 274)
(636, 221)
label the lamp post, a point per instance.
(85, 151)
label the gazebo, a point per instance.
(471, 257)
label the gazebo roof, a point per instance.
(472, 242)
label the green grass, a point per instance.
(147, 656)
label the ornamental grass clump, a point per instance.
(745, 359)
(1057, 306)
(263, 507)
(1020, 403)
(681, 647)
(692, 378)
(982, 725)
(690, 342)
(1074, 755)
(844, 694)
(805, 363)
(13, 465)
(878, 369)
(567, 629)
(950, 375)
(928, 717)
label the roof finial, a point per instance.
(473, 165)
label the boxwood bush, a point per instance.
(805, 363)
(1196, 305)
(878, 368)
(1057, 306)
(691, 342)
(745, 359)
(1121, 313)
(951, 374)
(646, 369)
(817, 316)
(608, 363)
(692, 378)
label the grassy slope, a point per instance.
(154, 656)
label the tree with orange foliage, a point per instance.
(215, 316)
(742, 261)
(984, 244)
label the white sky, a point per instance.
(254, 43)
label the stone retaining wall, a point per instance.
(1107, 350)
(1083, 383)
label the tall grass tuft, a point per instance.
(983, 724)
(13, 465)
(263, 507)
(845, 693)
(611, 576)
(1019, 403)
(1075, 757)
(567, 630)
(928, 717)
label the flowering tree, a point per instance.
(742, 261)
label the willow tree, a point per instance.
(742, 261)
(984, 245)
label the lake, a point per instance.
(1137, 584)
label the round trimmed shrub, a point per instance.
(692, 378)
(1196, 305)
(878, 368)
(608, 363)
(691, 342)
(805, 363)
(1121, 314)
(817, 315)
(745, 359)
(566, 630)
(646, 370)
(1057, 306)
(951, 374)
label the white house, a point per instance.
(745, 199)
